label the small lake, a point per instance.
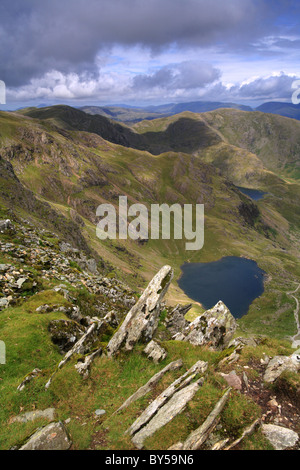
(236, 281)
(254, 194)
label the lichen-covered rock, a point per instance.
(279, 364)
(167, 412)
(175, 321)
(155, 352)
(83, 366)
(51, 437)
(142, 320)
(281, 438)
(4, 302)
(214, 328)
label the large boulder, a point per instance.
(280, 364)
(214, 328)
(51, 437)
(142, 320)
(281, 438)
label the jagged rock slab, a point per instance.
(142, 320)
(279, 364)
(142, 391)
(52, 437)
(199, 436)
(155, 352)
(214, 328)
(165, 414)
(199, 368)
(281, 438)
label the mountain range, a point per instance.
(130, 114)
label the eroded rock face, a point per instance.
(142, 320)
(214, 328)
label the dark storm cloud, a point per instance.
(39, 35)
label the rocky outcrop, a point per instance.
(80, 347)
(142, 320)
(38, 253)
(83, 366)
(29, 377)
(198, 437)
(214, 328)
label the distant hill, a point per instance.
(124, 114)
(186, 132)
(131, 115)
(196, 107)
(289, 110)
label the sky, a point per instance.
(148, 52)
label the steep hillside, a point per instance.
(75, 171)
(182, 134)
(274, 139)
